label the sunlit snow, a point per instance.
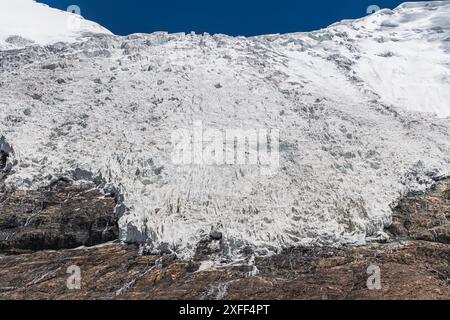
(362, 108)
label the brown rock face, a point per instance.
(424, 217)
(412, 270)
(406, 268)
(62, 216)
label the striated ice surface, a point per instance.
(362, 110)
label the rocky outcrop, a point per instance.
(62, 216)
(5, 151)
(425, 216)
(3, 159)
(408, 268)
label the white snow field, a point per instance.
(362, 109)
(24, 22)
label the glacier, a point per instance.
(24, 22)
(362, 108)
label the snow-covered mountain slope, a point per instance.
(344, 101)
(25, 22)
(405, 55)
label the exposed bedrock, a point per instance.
(61, 216)
(5, 154)
(409, 268)
(425, 216)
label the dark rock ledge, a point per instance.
(414, 264)
(62, 216)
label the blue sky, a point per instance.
(233, 17)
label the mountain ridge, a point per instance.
(356, 129)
